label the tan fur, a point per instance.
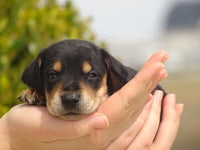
(86, 67)
(57, 66)
(89, 101)
(53, 101)
(91, 98)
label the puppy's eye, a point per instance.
(92, 75)
(52, 76)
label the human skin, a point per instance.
(128, 114)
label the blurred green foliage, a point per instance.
(25, 28)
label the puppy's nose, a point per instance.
(70, 101)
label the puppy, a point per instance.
(72, 78)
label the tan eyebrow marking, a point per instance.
(57, 66)
(86, 67)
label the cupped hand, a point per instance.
(33, 128)
(148, 132)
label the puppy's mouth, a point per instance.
(72, 114)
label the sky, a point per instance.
(120, 20)
(130, 28)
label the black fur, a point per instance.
(40, 77)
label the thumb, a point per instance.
(85, 126)
(62, 129)
(46, 128)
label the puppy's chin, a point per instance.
(72, 117)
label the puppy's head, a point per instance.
(75, 77)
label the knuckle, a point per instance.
(146, 144)
(123, 100)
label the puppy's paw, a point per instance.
(31, 96)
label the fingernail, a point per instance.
(158, 96)
(164, 74)
(164, 55)
(180, 108)
(100, 121)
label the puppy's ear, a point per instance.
(117, 73)
(32, 75)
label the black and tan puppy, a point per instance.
(72, 78)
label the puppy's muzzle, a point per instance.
(70, 101)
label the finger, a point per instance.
(163, 74)
(124, 140)
(155, 72)
(136, 91)
(160, 56)
(146, 136)
(149, 76)
(171, 121)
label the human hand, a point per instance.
(35, 128)
(148, 132)
(123, 107)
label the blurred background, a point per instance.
(130, 30)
